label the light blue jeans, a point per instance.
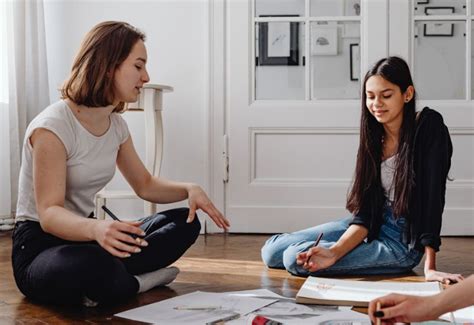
(383, 255)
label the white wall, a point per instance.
(5, 196)
(177, 43)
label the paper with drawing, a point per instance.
(358, 293)
(196, 308)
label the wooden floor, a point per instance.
(215, 263)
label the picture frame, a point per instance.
(423, 2)
(324, 39)
(354, 61)
(438, 29)
(278, 42)
(438, 10)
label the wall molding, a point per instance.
(461, 130)
(255, 131)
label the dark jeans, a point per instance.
(52, 270)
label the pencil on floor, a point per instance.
(196, 308)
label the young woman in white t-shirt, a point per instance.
(70, 152)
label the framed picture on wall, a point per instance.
(429, 11)
(439, 28)
(278, 43)
(354, 61)
(323, 40)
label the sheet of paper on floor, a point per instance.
(225, 305)
(267, 294)
(285, 305)
(259, 301)
(258, 293)
(288, 311)
(343, 317)
(465, 315)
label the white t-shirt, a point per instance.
(387, 171)
(90, 159)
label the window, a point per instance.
(307, 50)
(441, 55)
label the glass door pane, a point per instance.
(279, 8)
(440, 59)
(335, 60)
(328, 8)
(279, 48)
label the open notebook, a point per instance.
(325, 291)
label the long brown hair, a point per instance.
(366, 195)
(103, 49)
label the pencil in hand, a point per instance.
(378, 313)
(113, 216)
(314, 245)
(110, 213)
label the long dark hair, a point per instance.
(366, 195)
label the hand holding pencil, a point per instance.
(317, 257)
(396, 308)
(116, 236)
(314, 245)
(406, 308)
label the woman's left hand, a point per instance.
(446, 278)
(198, 199)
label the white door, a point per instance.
(291, 143)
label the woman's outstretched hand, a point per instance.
(115, 237)
(320, 258)
(197, 199)
(443, 277)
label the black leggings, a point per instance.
(49, 269)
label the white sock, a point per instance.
(160, 277)
(88, 302)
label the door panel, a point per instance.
(290, 161)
